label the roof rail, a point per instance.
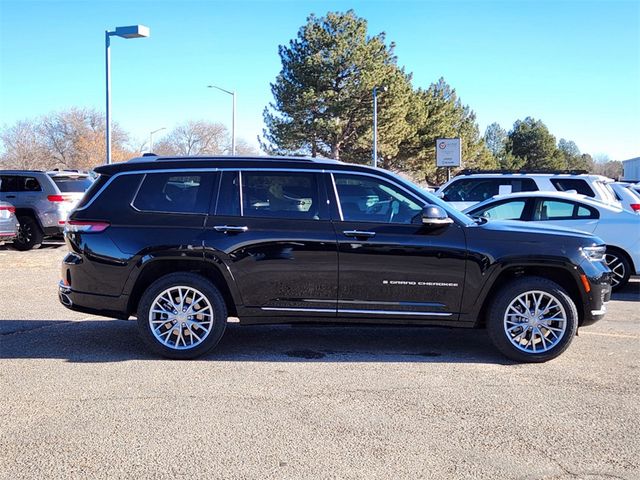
(470, 171)
(149, 154)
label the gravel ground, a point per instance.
(82, 398)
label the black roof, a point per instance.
(152, 162)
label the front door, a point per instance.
(390, 264)
(272, 230)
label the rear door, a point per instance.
(272, 230)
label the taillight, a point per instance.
(10, 209)
(59, 198)
(78, 226)
(636, 207)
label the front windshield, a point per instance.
(432, 199)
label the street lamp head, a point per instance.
(132, 31)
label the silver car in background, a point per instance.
(8, 222)
(42, 201)
(627, 196)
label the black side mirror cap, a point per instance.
(432, 215)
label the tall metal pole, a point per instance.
(374, 162)
(107, 47)
(233, 125)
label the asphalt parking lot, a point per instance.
(82, 398)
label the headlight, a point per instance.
(594, 254)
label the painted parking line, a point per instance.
(618, 335)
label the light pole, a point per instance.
(151, 137)
(233, 117)
(374, 161)
(132, 31)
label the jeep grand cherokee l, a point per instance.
(183, 243)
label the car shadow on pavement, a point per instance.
(89, 341)
(46, 245)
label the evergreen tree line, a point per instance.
(323, 106)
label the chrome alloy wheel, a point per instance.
(535, 321)
(181, 318)
(617, 268)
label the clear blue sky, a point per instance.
(574, 65)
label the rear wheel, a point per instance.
(620, 268)
(532, 320)
(29, 234)
(181, 316)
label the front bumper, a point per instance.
(595, 306)
(103, 305)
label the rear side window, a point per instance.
(480, 189)
(577, 184)
(175, 193)
(72, 184)
(282, 195)
(562, 210)
(17, 183)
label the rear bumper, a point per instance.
(103, 305)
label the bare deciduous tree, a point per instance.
(195, 137)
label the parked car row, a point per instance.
(567, 199)
(39, 203)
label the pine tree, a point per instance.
(323, 95)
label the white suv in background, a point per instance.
(470, 187)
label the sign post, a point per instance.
(448, 154)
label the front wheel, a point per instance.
(620, 269)
(532, 319)
(182, 316)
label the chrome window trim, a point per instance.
(256, 169)
(241, 193)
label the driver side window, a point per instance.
(367, 199)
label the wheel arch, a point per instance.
(29, 212)
(156, 268)
(556, 273)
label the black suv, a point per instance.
(183, 243)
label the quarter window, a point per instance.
(175, 193)
(281, 195)
(367, 199)
(576, 184)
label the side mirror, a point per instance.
(435, 216)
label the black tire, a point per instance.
(616, 260)
(29, 234)
(496, 314)
(204, 287)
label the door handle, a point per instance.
(11, 196)
(230, 229)
(359, 234)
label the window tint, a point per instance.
(229, 195)
(175, 193)
(281, 195)
(577, 184)
(72, 184)
(553, 210)
(480, 189)
(367, 199)
(17, 183)
(504, 211)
